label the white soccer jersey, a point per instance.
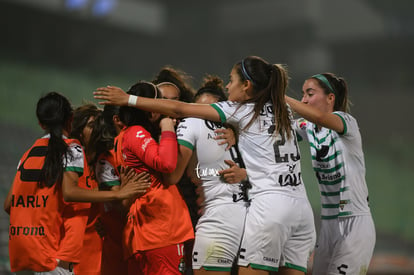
(198, 134)
(105, 173)
(272, 161)
(338, 162)
(74, 160)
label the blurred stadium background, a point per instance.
(74, 46)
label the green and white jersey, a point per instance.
(338, 162)
(272, 161)
(198, 134)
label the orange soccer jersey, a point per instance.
(113, 220)
(160, 217)
(43, 227)
(90, 260)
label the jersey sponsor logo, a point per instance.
(270, 259)
(325, 177)
(212, 125)
(267, 110)
(206, 172)
(322, 152)
(145, 144)
(224, 261)
(290, 179)
(241, 254)
(29, 201)
(181, 266)
(195, 254)
(140, 134)
(181, 126)
(26, 230)
(302, 123)
(342, 269)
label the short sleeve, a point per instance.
(106, 174)
(74, 160)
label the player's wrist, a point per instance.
(132, 100)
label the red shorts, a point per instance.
(167, 260)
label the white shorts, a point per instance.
(279, 231)
(58, 271)
(218, 236)
(344, 246)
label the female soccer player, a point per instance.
(347, 235)
(158, 223)
(279, 229)
(223, 206)
(46, 231)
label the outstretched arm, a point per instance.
(324, 119)
(116, 96)
(73, 193)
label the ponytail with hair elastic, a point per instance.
(54, 112)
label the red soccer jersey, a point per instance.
(43, 227)
(159, 218)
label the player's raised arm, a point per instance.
(116, 96)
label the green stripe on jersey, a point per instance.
(344, 214)
(343, 121)
(333, 205)
(330, 194)
(312, 144)
(186, 144)
(220, 112)
(329, 217)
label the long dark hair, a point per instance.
(270, 82)
(81, 116)
(54, 113)
(133, 116)
(100, 142)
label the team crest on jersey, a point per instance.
(181, 266)
(302, 123)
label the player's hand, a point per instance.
(133, 184)
(234, 174)
(168, 124)
(112, 96)
(226, 136)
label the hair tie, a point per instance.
(323, 78)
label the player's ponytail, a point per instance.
(54, 113)
(269, 84)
